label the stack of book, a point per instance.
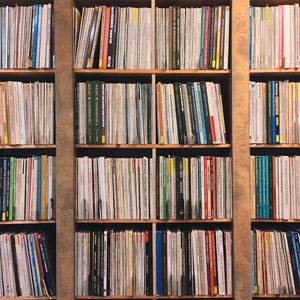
(110, 37)
(196, 262)
(194, 188)
(27, 113)
(190, 113)
(113, 113)
(114, 188)
(275, 37)
(113, 263)
(27, 188)
(26, 267)
(26, 37)
(274, 112)
(275, 262)
(192, 38)
(275, 187)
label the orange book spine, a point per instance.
(105, 42)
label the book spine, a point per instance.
(206, 113)
(110, 38)
(273, 113)
(5, 179)
(179, 187)
(206, 64)
(11, 189)
(222, 42)
(183, 116)
(179, 113)
(174, 43)
(89, 115)
(97, 112)
(277, 120)
(159, 264)
(192, 114)
(115, 37)
(149, 276)
(178, 40)
(106, 37)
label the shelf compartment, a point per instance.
(149, 146)
(128, 221)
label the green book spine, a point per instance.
(264, 187)
(89, 116)
(257, 187)
(11, 189)
(267, 166)
(174, 21)
(103, 138)
(96, 112)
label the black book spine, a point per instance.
(190, 97)
(206, 113)
(177, 37)
(91, 268)
(211, 37)
(222, 37)
(269, 113)
(99, 264)
(149, 276)
(51, 266)
(184, 132)
(96, 109)
(110, 38)
(115, 37)
(89, 111)
(149, 111)
(102, 264)
(191, 283)
(293, 253)
(178, 113)
(15, 267)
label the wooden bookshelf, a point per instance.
(276, 297)
(19, 147)
(280, 146)
(39, 222)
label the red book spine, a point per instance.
(106, 31)
(213, 128)
(205, 188)
(206, 29)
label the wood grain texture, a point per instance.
(240, 149)
(65, 188)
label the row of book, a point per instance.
(27, 188)
(190, 113)
(275, 187)
(26, 265)
(112, 263)
(192, 38)
(114, 188)
(111, 37)
(196, 262)
(275, 262)
(26, 37)
(113, 113)
(274, 112)
(27, 113)
(194, 188)
(275, 37)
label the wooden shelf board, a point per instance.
(28, 298)
(129, 221)
(274, 145)
(45, 146)
(150, 72)
(27, 223)
(149, 146)
(26, 72)
(152, 297)
(275, 221)
(293, 71)
(276, 296)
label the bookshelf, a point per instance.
(235, 81)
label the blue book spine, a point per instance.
(35, 35)
(297, 259)
(39, 187)
(250, 39)
(195, 113)
(202, 38)
(202, 114)
(33, 267)
(273, 114)
(159, 264)
(199, 189)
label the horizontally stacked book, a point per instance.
(27, 188)
(275, 37)
(26, 267)
(119, 263)
(26, 37)
(122, 188)
(187, 113)
(27, 113)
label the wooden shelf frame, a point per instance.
(236, 79)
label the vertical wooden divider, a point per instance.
(240, 149)
(65, 162)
